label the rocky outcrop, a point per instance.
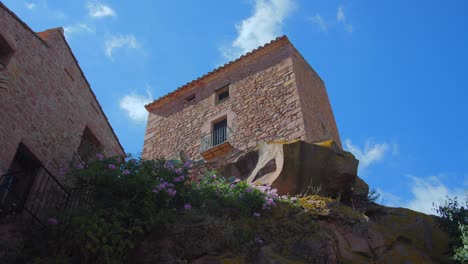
(298, 167)
(320, 230)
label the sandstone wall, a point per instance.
(319, 120)
(273, 96)
(263, 106)
(47, 102)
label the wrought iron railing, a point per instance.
(40, 195)
(215, 138)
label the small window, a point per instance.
(189, 100)
(89, 147)
(6, 51)
(222, 94)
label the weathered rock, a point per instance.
(322, 230)
(298, 167)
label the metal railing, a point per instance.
(215, 138)
(39, 194)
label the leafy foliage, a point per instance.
(132, 197)
(454, 220)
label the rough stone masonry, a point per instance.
(273, 95)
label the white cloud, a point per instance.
(77, 29)
(98, 10)
(341, 18)
(388, 199)
(320, 21)
(263, 26)
(429, 190)
(120, 41)
(134, 105)
(30, 5)
(371, 153)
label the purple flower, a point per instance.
(52, 221)
(176, 180)
(249, 190)
(132, 160)
(171, 192)
(213, 177)
(155, 191)
(169, 165)
(293, 199)
(79, 166)
(236, 181)
(256, 214)
(187, 164)
(179, 171)
(126, 172)
(187, 207)
(100, 156)
(111, 166)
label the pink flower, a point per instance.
(126, 172)
(111, 166)
(52, 221)
(100, 156)
(187, 207)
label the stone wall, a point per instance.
(319, 120)
(47, 102)
(264, 105)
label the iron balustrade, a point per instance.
(215, 138)
(42, 197)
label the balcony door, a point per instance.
(219, 132)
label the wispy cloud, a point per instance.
(341, 18)
(429, 190)
(99, 10)
(78, 29)
(133, 104)
(30, 5)
(389, 199)
(120, 41)
(320, 22)
(371, 153)
(264, 25)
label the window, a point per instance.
(219, 132)
(190, 100)
(222, 94)
(89, 146)
(6, 51)
(15, 186)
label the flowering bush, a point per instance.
(131, 197)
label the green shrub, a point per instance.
(132, 197)
(454, 220)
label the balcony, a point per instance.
(216, 143)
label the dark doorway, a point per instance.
(15, 186)
(219, 132)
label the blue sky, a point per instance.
(395, 71)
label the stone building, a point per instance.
(49, 116)
(268, 94)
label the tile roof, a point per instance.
(226, 67)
